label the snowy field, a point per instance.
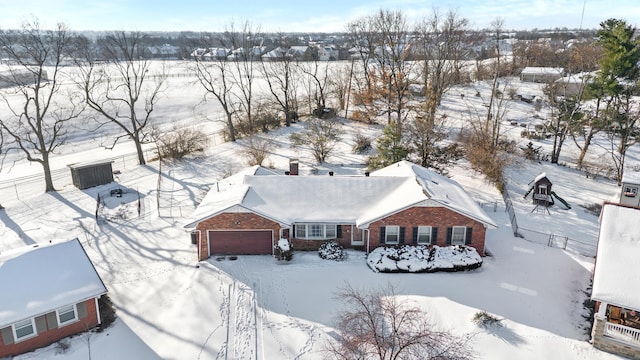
(169, 306)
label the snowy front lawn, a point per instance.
(424, 259)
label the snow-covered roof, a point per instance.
(533, 70)
(631, 177)
(440, 189)
(332, 199)
(540, 176)
(617, 270)
(35, 280)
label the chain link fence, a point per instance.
(585, 247)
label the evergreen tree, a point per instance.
(390, 148)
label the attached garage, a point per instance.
(240, 242)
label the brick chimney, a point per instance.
(293, 166)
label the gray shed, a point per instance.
(86, 175)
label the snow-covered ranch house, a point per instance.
(616, 326)
(403, 203)
(47, 292)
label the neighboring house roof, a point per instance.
(631, 177)
(533, 70)
(334, 199)
(617, 270)
(37, 279)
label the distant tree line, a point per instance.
(397, 75)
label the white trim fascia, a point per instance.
(98, 311)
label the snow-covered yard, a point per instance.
(172, 307)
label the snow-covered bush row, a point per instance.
(424, 259)
(332, 251)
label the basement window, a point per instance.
(67, 314)
(24, 329)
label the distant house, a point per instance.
(328, 53)
(276, 54)
(47, 292)
(164, 52)
(572, 85)
(400, 204)
(541, 74)
(630, 186)
(616, 326)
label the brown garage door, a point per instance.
(256, 242)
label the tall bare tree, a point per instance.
(246, 43)
(392, 56)
(317, 74)
(214, 75)
(40, 109)
(281, 80)
(122, 89)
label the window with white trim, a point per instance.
(67, 314)
(458, 235)
(630, 191)
(392, 234)
(316, 231)
(424, 235)
(24, 329)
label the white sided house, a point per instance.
(403, 203)
(541, 74)
(47, 292)
(616, 326)
(630, 186)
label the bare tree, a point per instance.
(247, 49)
(123, 90)
(258, 149)
(380, 325)
(280, 75)
(321, 135)
(444, 41)
(40, 111)
(317, 74)
(214, 75)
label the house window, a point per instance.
(24, 329)
(392, 234)
(630, 191)
(424, 235)
(330, 231)
(301, 231)
(316, 231)
(458, 235)
(67, 315)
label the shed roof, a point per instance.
(35, 280)
(333, 199)
(534, 70)
(617, 270)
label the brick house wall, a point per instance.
(437, 217)
(48, 330)
(231, 221)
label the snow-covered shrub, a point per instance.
(332, 251)
(424, 259)
(485, 320)
(283, 250)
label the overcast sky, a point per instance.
(303, 16)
